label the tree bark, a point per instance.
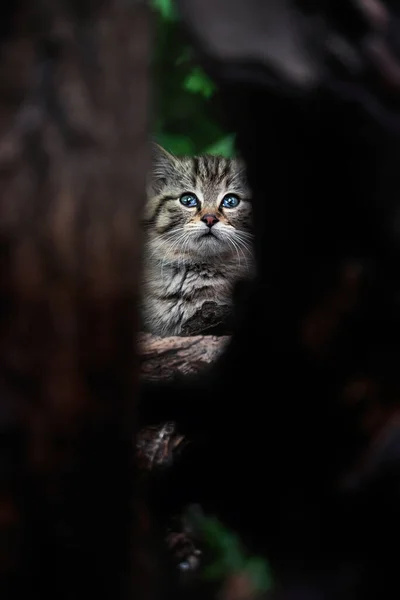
(73, 159)
(163, 358)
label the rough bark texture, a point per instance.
(73, 158)
(212, 319)
(164, 358)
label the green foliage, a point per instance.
(197, 82)
(184, 112)
(228, 557)
(166, 9)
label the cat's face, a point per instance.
(198, 207)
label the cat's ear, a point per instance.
(163, 165)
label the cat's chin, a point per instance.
(210, 245)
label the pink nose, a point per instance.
(210, 220)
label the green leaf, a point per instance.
(197, 82)
(184, 57)
(259, 574)
(182, 108)
(215, 572)
(176, 144)
(223, 545)
(226, 553)
(165, 8)
(223, 147)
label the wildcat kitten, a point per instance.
(198, 237)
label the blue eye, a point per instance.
(189, 200)
(230, 201)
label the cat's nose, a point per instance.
(209, 220)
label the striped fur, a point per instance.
(185, 263)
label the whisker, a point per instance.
(176, 242)
(244, 235)
(168, 238)
(245, 245)
(242, 248)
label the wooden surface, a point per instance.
(162, 358)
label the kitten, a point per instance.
(198, 237)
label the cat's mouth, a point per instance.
(212, 243)
(209, 234)
(209, 237)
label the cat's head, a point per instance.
(198, 207)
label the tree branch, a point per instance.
(162, 358)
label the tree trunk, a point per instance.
(73, 159)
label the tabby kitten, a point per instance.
(198, 237)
